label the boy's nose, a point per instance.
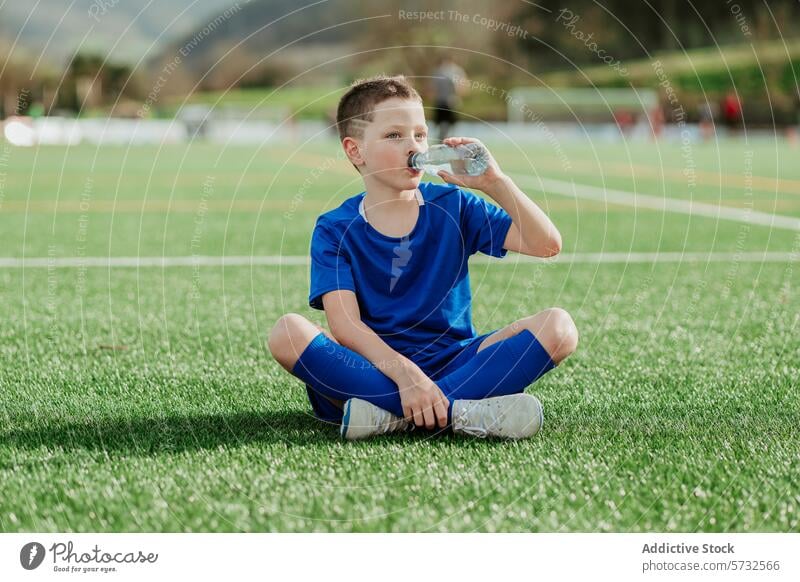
(414, 148)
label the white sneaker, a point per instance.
(516, 416)
(363, 419)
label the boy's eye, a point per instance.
(397, 135)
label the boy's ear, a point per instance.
(353, 150)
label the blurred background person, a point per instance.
(732, 111)
(449, 84)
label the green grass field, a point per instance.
(141, 399)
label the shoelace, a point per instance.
(489, 413)
(388, 422)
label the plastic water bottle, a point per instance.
(471, 159)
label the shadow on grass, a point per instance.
(187, 432)
(176, 432)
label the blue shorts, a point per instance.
(460, 358)
(327, 411)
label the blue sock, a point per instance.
(334, 371)
(505, 367)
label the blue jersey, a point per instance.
(413, 291)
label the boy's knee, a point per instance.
(560, 336)
(284, 337)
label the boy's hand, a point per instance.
(423, 402)
(485, 182)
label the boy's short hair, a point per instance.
(358, 104)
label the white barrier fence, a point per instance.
(22, 131)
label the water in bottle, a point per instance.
(471, 159)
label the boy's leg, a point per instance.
(504, 367)
(339, 373)
(335, 373)
(513, 357)
(332, 373)
(553, 327)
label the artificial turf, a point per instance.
(144, 399)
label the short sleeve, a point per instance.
(330, 267)
(484, 226)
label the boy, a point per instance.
(389, 267)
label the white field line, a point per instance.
(650, 202)
(302, 260)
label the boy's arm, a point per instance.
(344, 321)
(423, 401)
(532, 232)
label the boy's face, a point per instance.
(397, 130)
